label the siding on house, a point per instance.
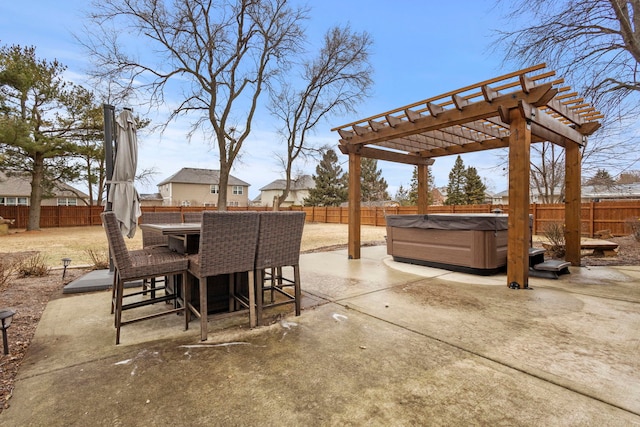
(15, 190)
(298, 192)
(588, 193)
(200, 187)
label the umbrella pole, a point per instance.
(109, 113)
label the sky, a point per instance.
(421, 48)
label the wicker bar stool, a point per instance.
(131, 266)
(227, 246)
(192, 217)
(151, 239)
(278, 260)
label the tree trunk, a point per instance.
(222, 185)
(36, 193)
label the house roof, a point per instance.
(595, 191)
(304, 182)
(200, 176)
(20, 186)
(612, 191)
(151, 196)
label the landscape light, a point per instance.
(6, 315)
(65, 263)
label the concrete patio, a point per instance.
(378, 343)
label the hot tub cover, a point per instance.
(450, 221)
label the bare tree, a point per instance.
(220, 54)
(547, 172)
(595, 45)
(334, 81)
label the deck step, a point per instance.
(550, 269)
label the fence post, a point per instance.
(592, 219)
(534, 212)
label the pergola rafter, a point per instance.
(513, 110)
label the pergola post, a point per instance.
(355, 167)
(423, 188)
(518, 222)
(572, 203)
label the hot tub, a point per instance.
(470, 243)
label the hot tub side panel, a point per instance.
(442, 246)
(472, 249)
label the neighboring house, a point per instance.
(200, 187)
(502, 198)
(15, 190)
(588, 193)
(257, 201)
(599, 193)
(154, 199)
(299, 191)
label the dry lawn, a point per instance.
(75, 242)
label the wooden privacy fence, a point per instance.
(595, 217)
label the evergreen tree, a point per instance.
(402, 196)
(457, 180)
(413, 190)
(41, 116)
(602, 178)
(331, 183)
(474, 188)
(374, 186)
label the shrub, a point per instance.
(6, 270)
(634, 226)
(34, 266)
(100, 258)
(554, 232)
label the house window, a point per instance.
(14, 201)
(67, 201)
(234, 204)
(237, 189)
(215, 189)
(185, 203)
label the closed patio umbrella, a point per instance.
(122, 193)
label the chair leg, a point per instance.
(273, 283)
(232, 292)
(252, 300)
(118, 315)
(116, 292)
(297, 291)
(153, 288)
(113, 291)
(186, 297)
(259, 291)
(204, 326)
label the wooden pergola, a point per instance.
(511, 111)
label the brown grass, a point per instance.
(77, 242)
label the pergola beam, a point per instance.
(467, 148)
(389, 156)
(472, 112)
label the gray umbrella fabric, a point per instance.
(123, 196)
